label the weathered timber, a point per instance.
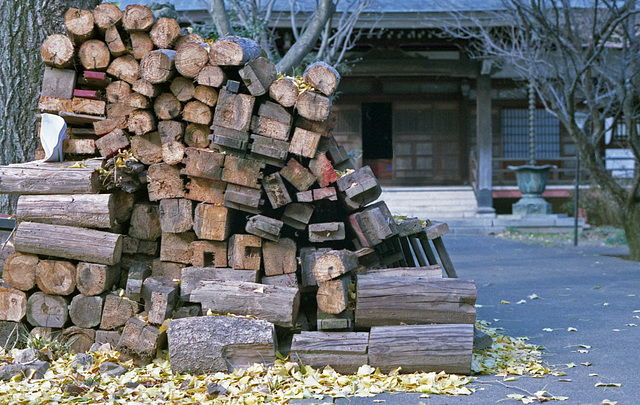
(335, 322)
(164, 32)
(160, 298)
(147, 148)
(13, 304)
(233, 51)
(359, 188)
(157, 66)
(264, 227)
(79, 147)
(304, 143)
(56, 277)
(387, 300)
(276, 190)
(133, 246)
(164, 181)
(322, 76)
(169, 270)
(176, 215)
(258, 75)
(86, 311)
(58, 83)
(206, 190)
(205, 94)
(108, 336)
(94, 55)
(284, 91)
(144, 88)
(308, 257)
(110, 124)
(20, 270)
(208, 253)
(272, 121)
(278, 305)
(209, 344)
(117, 91)
(193, 276)
(114, 41)
(190, 59)
(52, 178)
(176, 247)
(183, 88)
(53, 105)
(141, 122)
(298, 175)
(167, 106)
(279, 257)
(374, 224)
(187, 311)
(107, 15)
(57, 51)
(324, 193)
(140, 341)
(203, 163)
(137, 17)
(334, 264)
(211, 75)
(268, 150)
(233, 110)
(79, 340)
(170, 131)
(113, 142)
(212, 222)
(283, 280)
(430, 271)
(79, 24)
(136, 274)
(196, 135)
(230, 141)
(422, 348)
(47, 310)
(243, 172)
(95, 279)
(326, 231)
(333, 295)
(321, 167)
(141, 44)
(68, 242)
(125, 68)
(345, 352)
(297, 215)
(117, 311)
(244, 252)
(145, 222)
(243, 198)
(313, 106)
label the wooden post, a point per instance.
(484, 140)
(160, 297)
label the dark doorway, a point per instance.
(377, 141)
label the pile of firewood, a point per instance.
(218, 189)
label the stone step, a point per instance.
(431, 202)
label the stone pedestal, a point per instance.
(532, 181)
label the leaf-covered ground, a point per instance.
(257, 385)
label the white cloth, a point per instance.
(53, 130)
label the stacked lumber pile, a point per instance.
(218, 189)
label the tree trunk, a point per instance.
(21, 74)
(630, 220)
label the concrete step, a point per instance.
(431, 202)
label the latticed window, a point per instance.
(515, 134)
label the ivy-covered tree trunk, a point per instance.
(24, 25)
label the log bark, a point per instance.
(20, 270)
(86, 311)
(345, 352)
(56, 277)
(69, 242)
(107, 15)
(141, 44)
(49, 311)
(137, 17)
(117, 311)
(211, 75)
(79, 24)
(233, 51)
(392, 300)
(176, 215)
(48, 178)
(164, 32)
(157, 66)
(13, 304)
(278, 305)
(125, 68)
(333, 264)
(422, 348)
(94, 55)
(323, 77)
(190, 59)
(95, 279)
(81, 210)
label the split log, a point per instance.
(81, 210)
(278, 305)
(137, 100)
(164, 181)
(145, 222)
(209, 344)
(95, 279)
(68, 242)
(160, 297)
(183, 88)
(86, 311)
(113, 142)
(193, 276)
(313, 106)
(233, 110)
(176, 247)
(414, 300)
(170, 131)
(321, 167)
(258, 75)
(164, 32)
(87, 106)
(211, 75)
(141, 122)
(114, 41)
(207, 253)
(167, 106)
(284, 91)
(146, 89)
(422, 348)
(117, 311)
(13, 304)
(205, 94)
(334, 264)
(94, 55)
(212, 222)
(243, 172)
(304, 143)
(141, 44)
(173, 152)
(57, 51)
(79, 24)
(333, 295)
(109, 125)
(233, 51)
(157, 66)
(197, 112)
(107, 15)
(276, 190)
(197, 135)
(264, 227)
(176, 215)
(20, 270)
(190, 59)
(49, 311)
(322, 76)
(137, 17)
(296, 174)
(56, 277)
(140, 342)
(297, 215)
(244, 252)
(117, 91)
(345, 352)
(326, 231)
(279, 257)
(125, 68)
(147, 148)
(206, 190)
(243, 198)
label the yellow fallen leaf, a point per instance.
(601, 384)
(505, 302)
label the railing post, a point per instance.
(485, 145)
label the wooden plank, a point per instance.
(345, 352)
(425, 271)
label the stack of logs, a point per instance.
(192, 136)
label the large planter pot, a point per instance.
(532, 181)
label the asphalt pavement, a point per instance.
(587, 313)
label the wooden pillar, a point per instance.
(484, 145)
